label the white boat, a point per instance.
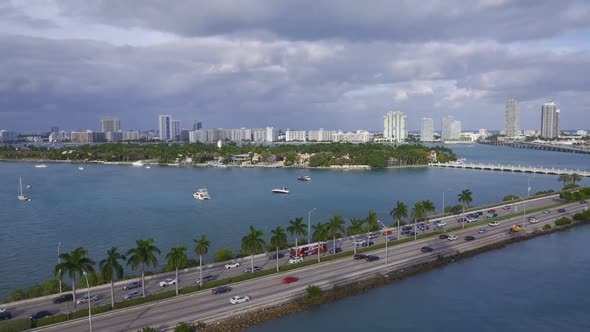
(40, 166)
(201, 194)
(81, 168)
(21, 196)
(137, 163)
(304, 178)
(281, 190)
(148, 167)
(216, 164)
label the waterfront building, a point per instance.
(426, 130)
(395, 127)
(360, 136)
(114, 136)
(582, 132)
(321, 135)
(183, 137)
(531, 133)
(272, 134)
(550, 120)
(239, 135)
(197, 125)
(451, 129)
(197, 136)
(131, 135)
(174, 130)
(511, 119)
(82, 136)
(110, 124)
(8, 136)
(164, 127)
(295, 135)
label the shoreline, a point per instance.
(337, 292)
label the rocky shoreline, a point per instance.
(240, 322)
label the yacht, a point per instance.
(148, 167)
(21, 196)
(216, 164)
(80, 168)
(304, 178)
(137, 163)
(40, 166)
(282, 190)
(201, 194)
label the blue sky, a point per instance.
(333, 64)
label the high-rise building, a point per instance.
(111, 124)
(451, 128)
(131, 135)
(511, 119)
(394, 126)
(164, 127)
(8, 136)
(295, 135)
(550, 120)
(114, 136)
(426, 130)
(174, 130)
(272, 134)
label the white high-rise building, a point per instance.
(394, 127)
(272, 134)
(511, 119)
(174, 130)
(426, 130)
(131, 135)
(164, 127)
(110, 125)
(451, 128)
(295, 135)
(550, 120)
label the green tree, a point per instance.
(399, 212)
(184, 327)
(148, 329)
(297, 228)
(465, 198)
(177, 258)
(356, 227)
(334, 228)
(565, 178)
(202, 248)
(142, 255)
(320, 234)
(278, 240)
(575, 177)
(418, 212)
(74, 264)
(510, 197)
(253, 243)
(428, 207)
(110, 268)
(224, 254)
(372, 222)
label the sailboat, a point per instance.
(21, 196)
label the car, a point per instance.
(482, 231)
(443, 236)
(338, 249)
(5, 314)
(561, 210)
(491, 215)
(389, 232)
(373, 235)
(470, 220)
(439, 228)
(41, 314)
(494, 223)
(412, 233)
(407, 228)
(221, 290)
(359, 242)
(582, 202)
(132, 295)
(440, 223)
(296, 260)
(232, 265)
(371, 258)
(469, 238)
(370, 243)
(491, 210)
(533, 220)
(274, 256)
(67, 297)
(205, 279)
(360, 256)
(547, 211)
(479, 213)
(391, 238)
(239, 299)
(167, 282)
(426, 249)
(452, 238)
(289, 280)
(131, 285)
(86, 299)
(461, 220)
(507, 207)
(252, 269)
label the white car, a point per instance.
(533, 220)
(359, 242)
(84, 299)
(167, 282)
(231, 265)
(507, 207)
(452, 238)
(547, 211)
(494, 223)
(239, 299)
(295, 260)
(440, 223)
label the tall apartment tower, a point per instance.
(394, 126)
(164, 127)
(174, 130)
(511, 119)
(550, 120)
(451, 128)
(426, 130)
(111, 125)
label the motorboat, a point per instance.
(29, 186)
(304, 178)
(21, 196)
(137, 163)
(80, 168)
(40, 166)
(201, 194)
(216, 164)
(148, 167)
(281, 190)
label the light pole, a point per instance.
(524, 206)
(89, 309)
(58, 262)
(443, 202)
(309, 225)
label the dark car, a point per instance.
(221, 290)
(426, 249)
(583, 202)
(370, 243)
(131, 285)
(274, 256)
(412, 233)
(372, 258)
(479, 213)
(491, 210)
(337, 250)
(360, 256)
(461, 220)
(561, 210)
(252, 269)
(41, 314)
(206, 279)
(5, 315)
(63, 298)
(443, 236)
(469, 238)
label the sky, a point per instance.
(308, 64)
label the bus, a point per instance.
(307, 249)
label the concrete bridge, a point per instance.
(511, 168)
(538, 146)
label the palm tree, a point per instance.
(253, 243)
(465, 198)
(372, 222)
(575, 177)
(297, 228)
(398, 212)
(111, 268)
(177, 258)
(278, 240)
(428, 206)
(566, 178)
(142, 255)
(73, 264)
(201, 248)
(355, 229)
(320, 234)
(334, 227)
(418, 212)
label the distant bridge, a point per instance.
(511, 168)
(538, 146)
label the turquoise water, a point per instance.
(106, 205)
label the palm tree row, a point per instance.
(569, 178)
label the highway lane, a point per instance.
(203, 305)
(189, 278)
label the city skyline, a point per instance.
(68, 64)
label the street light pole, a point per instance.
(525, 201)
(58, 262)
(89, 304)
(309, 225)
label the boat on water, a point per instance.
(216, 164)
(21, 196)
(281, 190)
(40, 166)
(148, 167)
(29, 186)
(137, 163)
(81, 168)
(304, 178)
(202, 194)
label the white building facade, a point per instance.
(426, 130)
(550, 120)
(511, 119)
(394, 127)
